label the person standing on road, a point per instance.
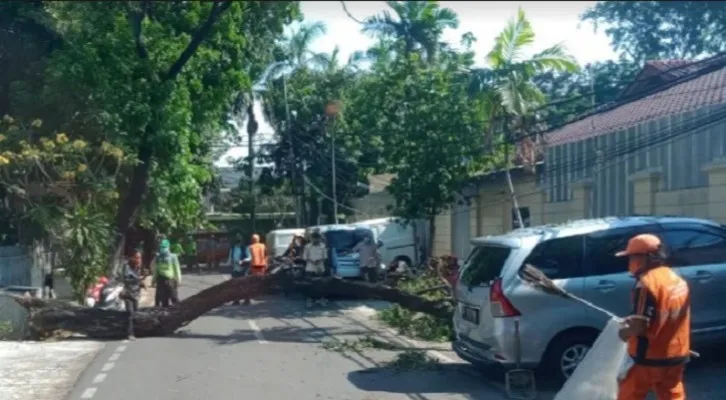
(658, 332)
(48, 281)
(369, 258)
(133, 282)
(258, 259)
(315, 254)
(167, 275)
(238, 254)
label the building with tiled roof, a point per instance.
(665, 129)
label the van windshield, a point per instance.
(484, 265)
(345, 239)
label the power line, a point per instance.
(320, 192)
(686, 127)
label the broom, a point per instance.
(537, 279)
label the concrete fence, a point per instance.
(24, 266)
(15, 266)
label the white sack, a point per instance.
(596, 377)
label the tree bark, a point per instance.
(50, 317)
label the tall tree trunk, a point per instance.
(128, 209)
(432, 236)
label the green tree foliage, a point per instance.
(310, 135)
(646, 30)
(417, 24)
(507, 86)
(428, 128)
(65, 187)
(569, 95)
(156, 79)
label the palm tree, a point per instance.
(507, 87)
(296, 46)
(418, 24)
(329, 63)
(381, 52)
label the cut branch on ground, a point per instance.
(47, 318)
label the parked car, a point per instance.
(556, 333)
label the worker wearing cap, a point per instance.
(658, 332)
(258, 259)
(167, 275)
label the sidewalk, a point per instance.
(43, 370)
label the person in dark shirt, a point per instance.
(133, 282)
(295, 250)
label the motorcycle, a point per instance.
(110, 297)
(294, 268)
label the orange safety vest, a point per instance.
(258, 255)
(662, 296)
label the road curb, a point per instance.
(363, 315)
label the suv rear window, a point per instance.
(484, 265)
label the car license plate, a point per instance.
(470, 314)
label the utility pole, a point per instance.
(512, 193)
(252, 127)
(332, 160)
(293, 175)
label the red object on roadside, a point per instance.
(453, 271)
(95, 290)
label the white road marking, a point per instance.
(257, 332)
(100, 377)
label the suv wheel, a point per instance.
(565, 353)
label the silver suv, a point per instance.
(579, 256)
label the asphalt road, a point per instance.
(274, 349)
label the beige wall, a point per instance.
(494, 214)
(491, 211)
(374, 205)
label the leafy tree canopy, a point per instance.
(646, 30)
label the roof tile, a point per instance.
(705, 90)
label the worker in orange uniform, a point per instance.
(258, 259)
(658, 333)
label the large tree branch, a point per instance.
(48, 317)
(202, 32)
(136, 17)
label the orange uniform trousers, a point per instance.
(258, 270)
(665, 382)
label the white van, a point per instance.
(399, 240)
(279, 240)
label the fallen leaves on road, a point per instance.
(414, 360)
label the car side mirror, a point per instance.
(380, 244)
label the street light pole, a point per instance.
(260, 86)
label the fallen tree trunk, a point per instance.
(49, 317)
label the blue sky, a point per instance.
(553, 22)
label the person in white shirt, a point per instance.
(315, 254)
(369, 258)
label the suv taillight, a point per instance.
(500, 306)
